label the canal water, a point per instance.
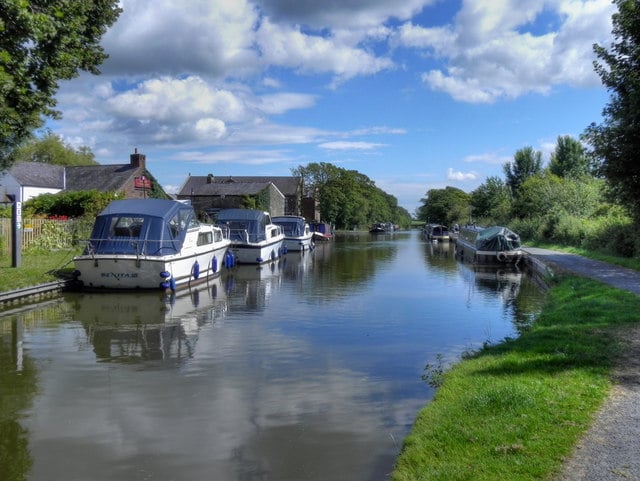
(309, 369)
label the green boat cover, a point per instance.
(497, 239)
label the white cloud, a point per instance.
(287, 46)
(171, 37)
(342, 145)
(461, 176)
(493, 50)
(283, 102)
(240, 156)
(490, 158)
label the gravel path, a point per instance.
(610, 450)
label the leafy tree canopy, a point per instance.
(445, 206)
(526, 162)
(41, 43)
(492, 200)
(348, 198)
(615, 142)
(51, 149)
(569, 158)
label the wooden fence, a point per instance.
(45, 233)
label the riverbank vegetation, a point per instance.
(515, 410)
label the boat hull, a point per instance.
(493, 245)
(301, 243)
(120, 271)
(469, 253)
(257, 253)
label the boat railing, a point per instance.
(243, 235)
(129, 246)
(226, 232)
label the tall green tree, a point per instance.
(526, 162)
(492, 200)
(348, 198)
(445, 206)
(51, 149)
(615, 142)
(569, 159)
(41, 43)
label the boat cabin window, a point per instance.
(126, 226)
(205, 238)
(217, 235)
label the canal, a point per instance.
(309, 369)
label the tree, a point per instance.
(348, 198)
(492, 200)
(41, 43)
(446, 206)
(569, 159)
(51, 149)
(526, 162)
(615, 142)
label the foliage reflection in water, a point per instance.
(311, 368)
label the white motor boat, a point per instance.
(150, 244)
(297, 233)
(255, 239)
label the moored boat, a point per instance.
(255, 239)
(321, 231)
(490, 245)
(382, 228)
(297, 232)
(436, 232)
(150, 244)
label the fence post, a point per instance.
(16, 232)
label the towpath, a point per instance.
(610, 450)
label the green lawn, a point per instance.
(36, 267)
(515, 410)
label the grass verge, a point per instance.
(37, 267)
(515, 410)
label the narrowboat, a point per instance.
(321, 231)
(488, 245)
(436, 232)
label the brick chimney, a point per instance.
(138, 160)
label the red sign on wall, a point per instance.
(142, 182)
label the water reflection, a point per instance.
(440, 255)
(140, 326)
(309, 368)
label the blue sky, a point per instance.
(414, 94)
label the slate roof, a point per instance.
(238, 185)
(38, 174)
(102, 178)
(233, 189)
(78, 177)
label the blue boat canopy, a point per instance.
(245, 224)
(152, 227)
(292, 226)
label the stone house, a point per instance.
(209, 194)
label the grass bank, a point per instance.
(515, 410)
(37, 267)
